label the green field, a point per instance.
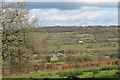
(79, 73)
(96, 45)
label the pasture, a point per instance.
(84, 49)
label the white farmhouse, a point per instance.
(80, 41)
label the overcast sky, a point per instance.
(75, 13)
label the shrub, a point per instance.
(70, 73)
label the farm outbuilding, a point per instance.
(80, 41)
(60, 54)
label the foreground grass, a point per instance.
(100, 74)
(93, 72)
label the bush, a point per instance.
(73, 72)
(82, 58)
(109, 68)
(114, 55)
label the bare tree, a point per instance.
(16, 36)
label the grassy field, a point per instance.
(67, 41)
(94, 47)
(103, 72)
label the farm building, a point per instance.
(80, 41)
(60, 54)
(57, 55)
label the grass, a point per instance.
(87, 35)
(113, 39)
(106, 74)
(84, 47)
(54, 59)
(56, 39)
(81, 73)
(101, 74)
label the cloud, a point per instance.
(70, 5)
(82, 16)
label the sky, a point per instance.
(74, 13)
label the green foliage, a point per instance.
(89, 72)
(70, 73)
(95, 72)
(84, 58)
